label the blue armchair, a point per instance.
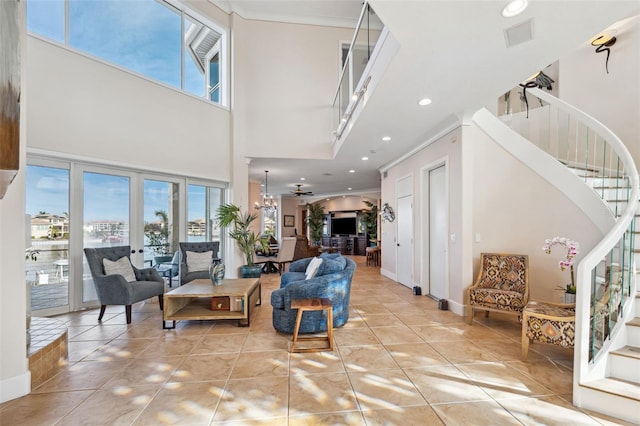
(115, 289)
(333, 281)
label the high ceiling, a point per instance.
(453, 52)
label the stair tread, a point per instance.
(617, 387)
(627, 351)
(634, 322)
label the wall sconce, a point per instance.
(540, 80)
(602, 43)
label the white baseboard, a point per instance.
(457, 308)
(15, 387)
(388, 274)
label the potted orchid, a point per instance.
(573, 248)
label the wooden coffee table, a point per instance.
(192, 301)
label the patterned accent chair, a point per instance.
(114, 289)
(548, 323)
(502, 284)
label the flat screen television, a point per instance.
(343, 226)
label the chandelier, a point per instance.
(269, 205)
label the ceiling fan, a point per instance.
(298, 192)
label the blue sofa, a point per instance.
(333, 281)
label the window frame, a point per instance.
(184, 12)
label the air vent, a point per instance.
(519, 34)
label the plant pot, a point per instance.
(252, 271)
(569, 298)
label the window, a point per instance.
(47, 18)
(202, 207)
(269, 221)
(151, 38)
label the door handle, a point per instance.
(398, 244)
(141, 251)
(133, 252)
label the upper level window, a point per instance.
(151, 38)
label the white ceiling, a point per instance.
(453, 52)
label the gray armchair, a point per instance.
(187, 275)
(114, 289)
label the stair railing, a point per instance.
(605, 275)
(352, 84)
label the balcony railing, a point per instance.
(599, 158)
(354, 63)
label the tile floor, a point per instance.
(399, 360)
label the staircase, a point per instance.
(580, 157)
(618, 393)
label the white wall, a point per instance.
(614, 98)
(15, 379)
(447, 149)
(346, 203)
(83, 107)
(515, 211)
(494, 197)
(285, 79)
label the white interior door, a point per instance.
(404, 243)
(438, 233)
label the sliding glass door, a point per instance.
(202, 205)
(106, 217)
(71, 206)
(47, 236)
(161, 219)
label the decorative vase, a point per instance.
(252, 271)
(216, 273)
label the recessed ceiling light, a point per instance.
(514, 7)
(386, 138)
(302, 179)
(349, 188)
(354, 97)
(352, 171)
(365, 158)
(424, 102)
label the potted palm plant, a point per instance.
(157, 235)
(238, 223)
(370, 219)
(314, 220)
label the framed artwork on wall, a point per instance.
(289, 220)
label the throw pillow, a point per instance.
(199, 261)
(329, 255)
(335, 257)
(312, 268)
(329, 266)
(121, 266)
